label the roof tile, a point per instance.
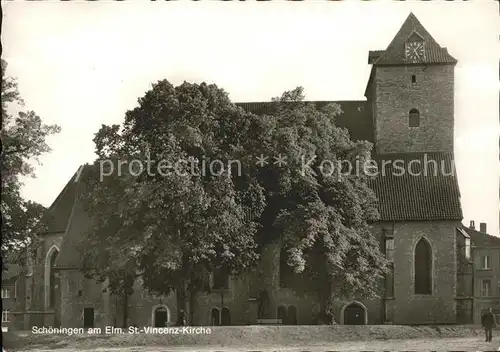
(418, 193)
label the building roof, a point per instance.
(76, 221)
(481, 239)
(59, 212)
(395, 52)
(373, 56)
(419, 193)
(462, 232)
(355, 116)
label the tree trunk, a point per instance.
(125, 310)
(327, 315)
(191, 307)
(181, 301)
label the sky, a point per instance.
(84, 64)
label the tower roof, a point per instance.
(395, 52)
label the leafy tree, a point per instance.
(175, 229)
(322, 213)
(23, 141)
(172, 229)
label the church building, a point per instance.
(408, 115)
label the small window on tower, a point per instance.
(413, 79)
(414, 118)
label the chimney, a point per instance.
(482, 227)
(472, 225)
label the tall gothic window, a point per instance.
(54, 279)
(423, 268)
(389, 249)
(414, 118)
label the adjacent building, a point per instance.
(16, 282)
(485, 254)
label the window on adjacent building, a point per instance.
(485, 262)
(467, 248)
(5, 293)
(413, 79)
(486, 288)
(423, 268)
(414, 118)
(5, 316)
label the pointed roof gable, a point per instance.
(77, 222)
(58, 214)
(395, 52)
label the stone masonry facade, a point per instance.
(432, 94)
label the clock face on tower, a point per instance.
(415, 51)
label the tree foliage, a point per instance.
(23, 138)
(324, 210)
(174, 229)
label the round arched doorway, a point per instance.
(354, 314)
(161, 316)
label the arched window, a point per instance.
(286, 271)
(215, 317)
(413, 79)
(282, 314)
(292, 315)
(414, 118)
(423, 268)
(226, 316)
(52, 281)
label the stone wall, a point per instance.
(78, 293)
(432, 94)
(439, 307)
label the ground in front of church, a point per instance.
(265, 339)
(443, 344)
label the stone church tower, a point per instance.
(411, 93)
